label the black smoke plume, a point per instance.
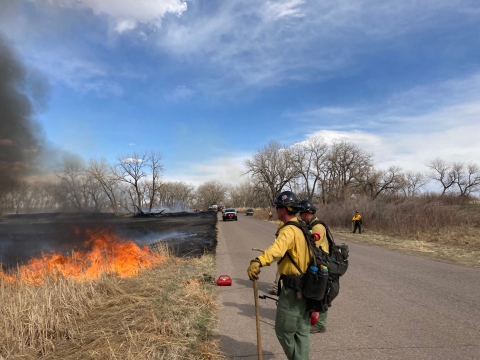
(20, 136)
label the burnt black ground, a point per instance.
(25, 236)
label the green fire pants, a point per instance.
(322, 320)
(292, 325)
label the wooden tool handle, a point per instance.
(257, 317)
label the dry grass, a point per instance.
(164, 313)
(35, 316)
(403, 216)
(446, 228)
(457, 252)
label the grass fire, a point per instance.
(108, 298)
(104, 253)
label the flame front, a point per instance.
(108, 254)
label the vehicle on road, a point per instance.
(249, 212)
(230, 214)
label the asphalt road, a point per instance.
(391, 305)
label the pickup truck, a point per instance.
(230, 214)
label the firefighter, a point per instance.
(270, 215)
(292, 322)
(357, 221)
(308, 216)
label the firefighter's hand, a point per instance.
(254, 270)
(316, 236)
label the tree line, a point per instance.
(334, 172)
(315, 169)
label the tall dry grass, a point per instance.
(402, 215)
(163, 313)
(428, 217)
(34, 317)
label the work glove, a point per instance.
(254, 269)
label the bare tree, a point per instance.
(319, 149)
(262, 194)
(346, 166)
(156, 168)
(308, 159)
(272, 168)
(20, 195)
(377, 182)
(468, 178)
(105, 176)
(131, 169)
(143, 173)
(71, 178)
(93, 193)
(246, 195)
(43, 196)
(176, 195)
(412, 183)
(444, 173)
(210, 193)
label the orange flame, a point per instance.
(109, 254)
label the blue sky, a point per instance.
(208, 83)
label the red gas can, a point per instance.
(224, 280)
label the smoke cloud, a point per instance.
(21, 139)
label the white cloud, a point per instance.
(413, 151)
(125, 25)
(286, 8)
(263, 43)
(326, 111)
(359, 137)
(180, 93)
(132, 160)
(228, 170)
(79, 74)
(126, 14)
(413, 127)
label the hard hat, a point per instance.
(307, 206)
(288, 200)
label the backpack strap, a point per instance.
(293, 262)
(331, 241)
(343, 249)
(306, 234)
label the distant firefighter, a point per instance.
(357, 222)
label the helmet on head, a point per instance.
(288, 200)
(307, 206)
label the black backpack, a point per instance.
(320, 289)
(338, 265)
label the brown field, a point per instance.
(164, 312)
